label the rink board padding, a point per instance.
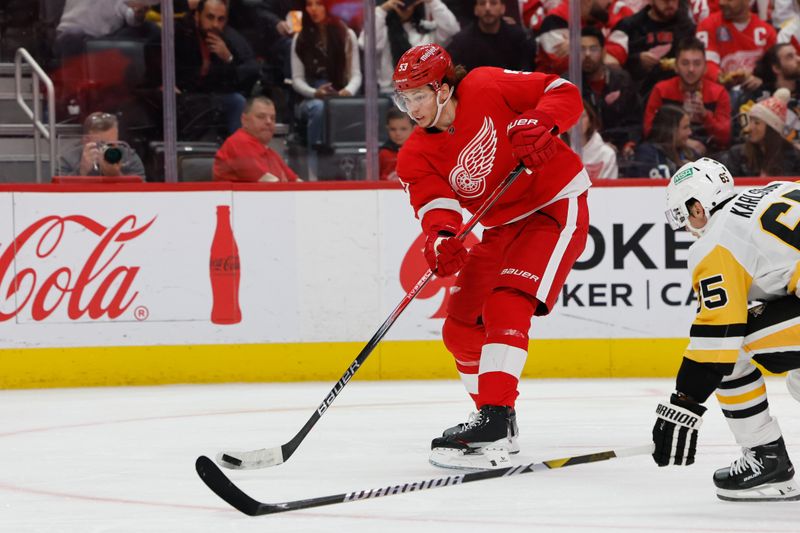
(396, 360)
(215, 282)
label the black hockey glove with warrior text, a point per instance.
(675, 431)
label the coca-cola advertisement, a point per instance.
(130, 262)
(207, 267)
(37, 281)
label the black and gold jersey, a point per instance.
(750, 251)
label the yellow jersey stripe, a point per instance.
(712, 356)
(780, 339)
(742, 398)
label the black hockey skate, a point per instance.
(763, 473)
(485, 441)
(513, 430)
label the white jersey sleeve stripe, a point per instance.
(555, 83)
(715, 343)
(439, 203)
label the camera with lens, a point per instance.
(110, 152)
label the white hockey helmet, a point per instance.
(705, 180)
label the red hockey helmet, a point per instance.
(425, 64)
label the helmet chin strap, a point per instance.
(440, 107)
(696, 232)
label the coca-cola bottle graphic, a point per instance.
(224, 271)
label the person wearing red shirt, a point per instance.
(706, 101)
(735, 40)
(473, 130)
(246, 155)
(399, 127)
(553, 39)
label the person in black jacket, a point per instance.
(666, 148)
(214, 65)
(652, 38)
(492, 42)
(611, 92)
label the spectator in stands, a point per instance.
(325, 63)
(214, 66)
(276, 12)
(706, 101)
(553, 38)
(766, 152)
(491, 41)
(277, 31)
(666, 148)
(82, 19)
(399, 126)
(611, 92)
(100, 152)
(599, 157)
(246, 155)
(788, 20)
(401, 24)
(735, 40)
(648, 40)
(533, 14)
(783, 13)
(780, 67)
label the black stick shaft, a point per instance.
(289, 448)
(223, 487)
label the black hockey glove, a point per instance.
(675, 431)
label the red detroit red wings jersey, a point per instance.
(460, 167)
(729, 49)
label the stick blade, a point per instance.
(251, 460)
(218, 482)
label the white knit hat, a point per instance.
(773, 110)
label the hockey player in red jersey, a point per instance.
(472, 131)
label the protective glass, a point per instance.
(407, 100)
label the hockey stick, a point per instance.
(274, 456)
(223, 487)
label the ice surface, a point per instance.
(105, 460)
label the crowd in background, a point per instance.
(664, 81)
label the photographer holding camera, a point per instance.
(101, 153)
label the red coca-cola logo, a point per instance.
(414, 266)
(96, 290)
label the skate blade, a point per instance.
(486, 459)
(770, 492)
